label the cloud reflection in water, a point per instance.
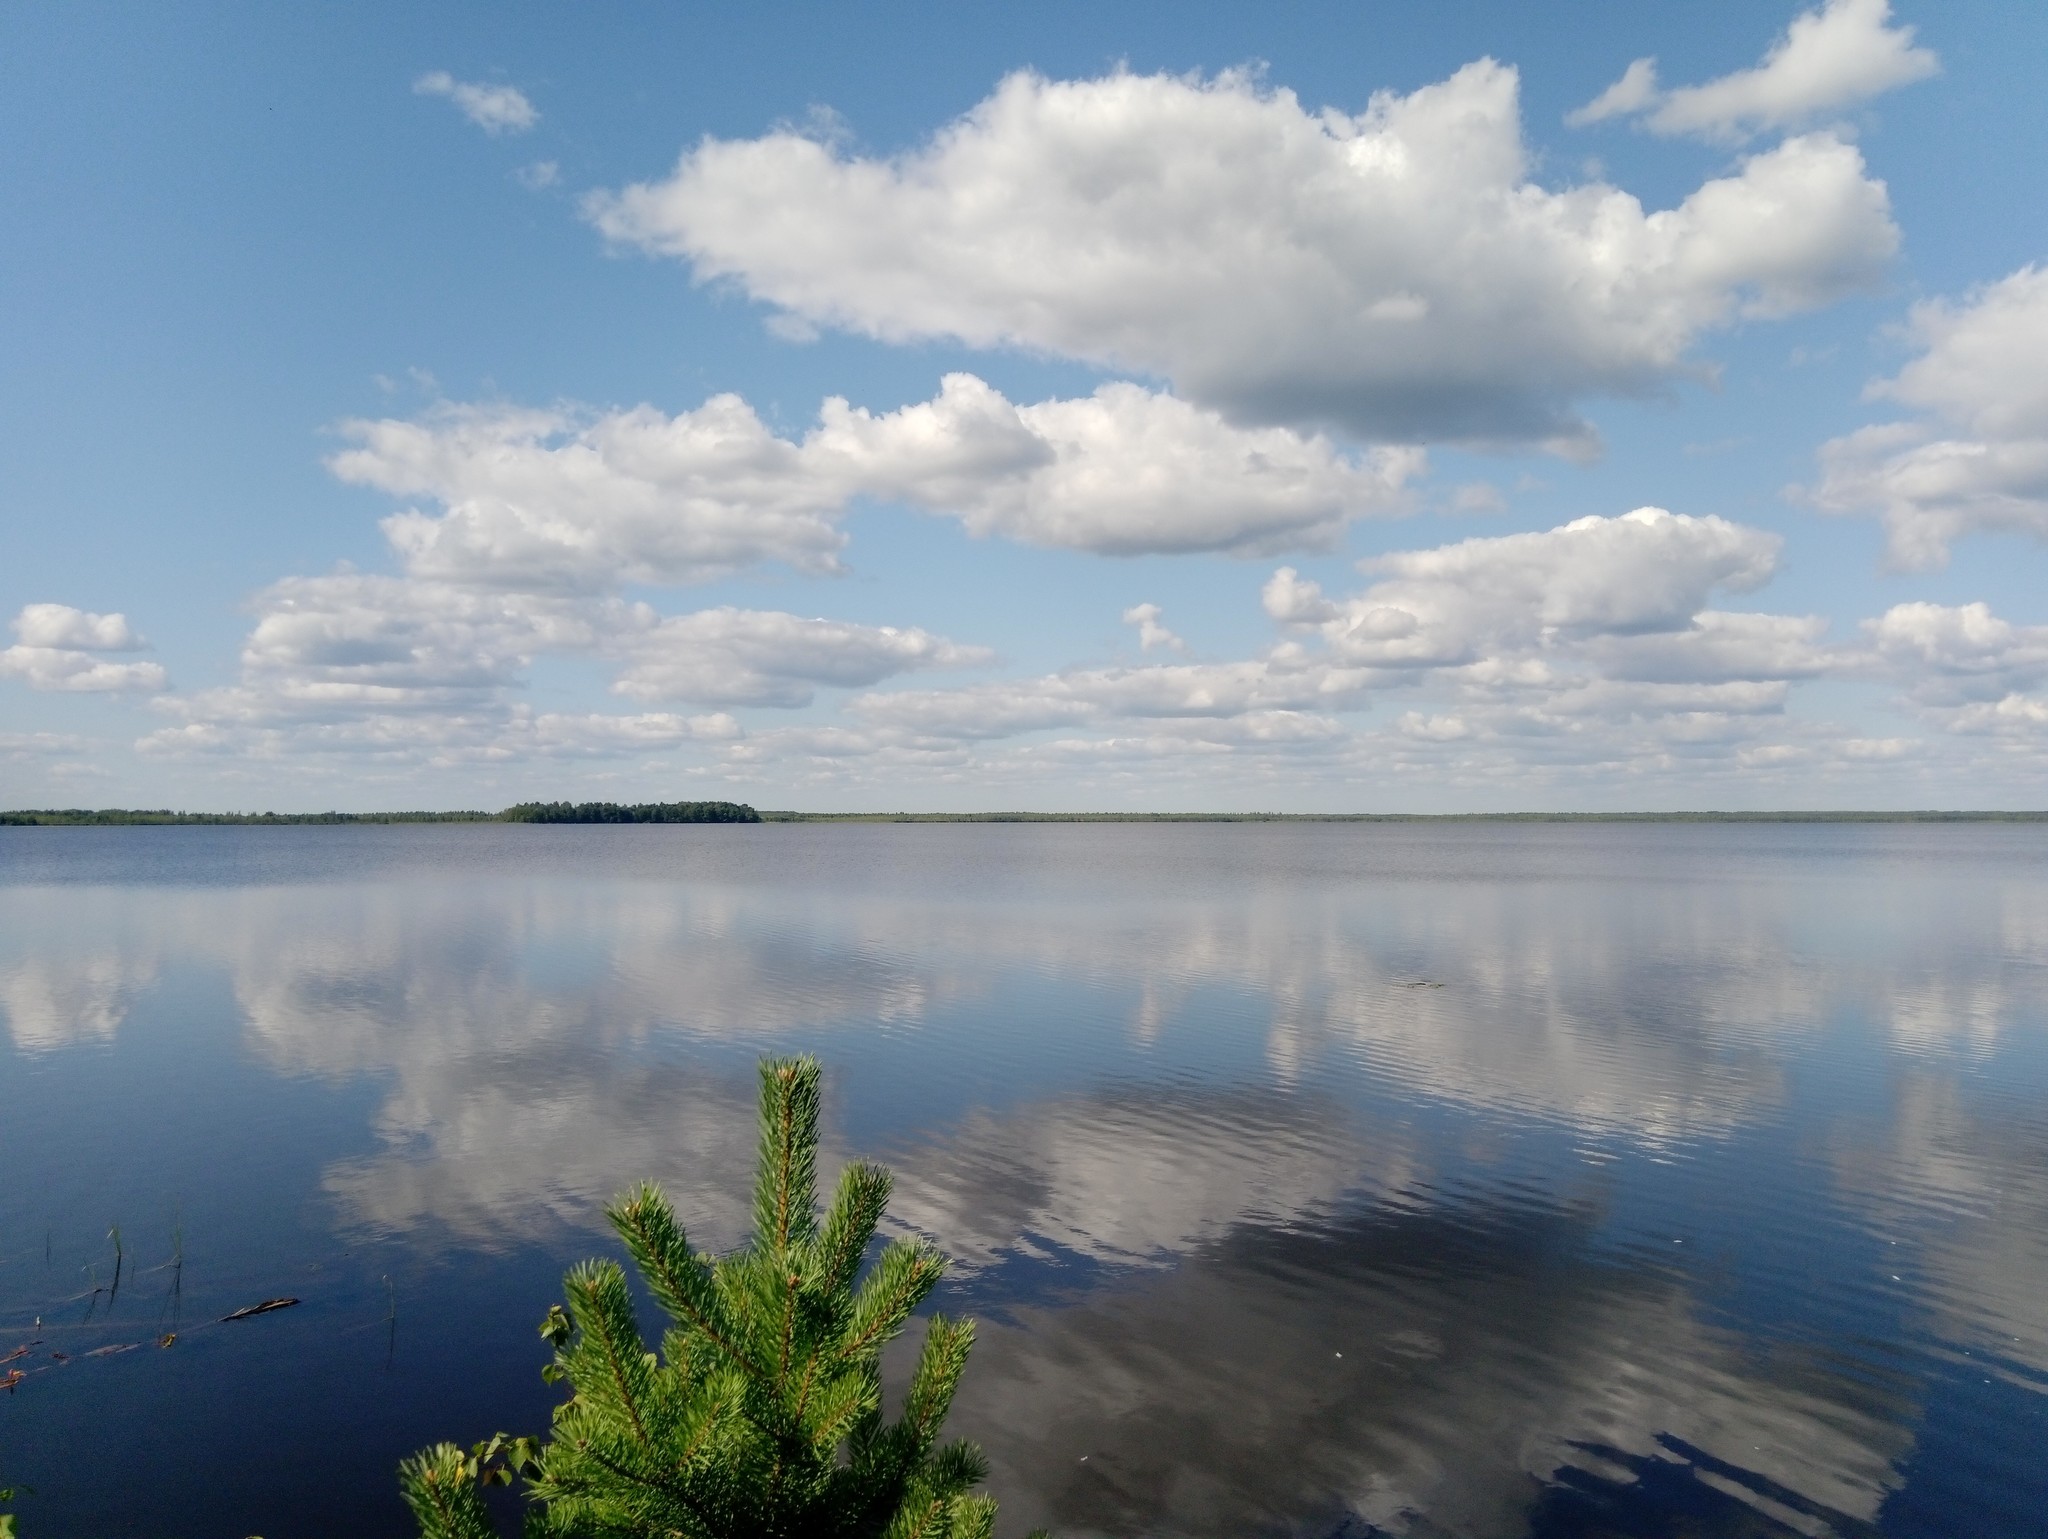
(1219, 1138)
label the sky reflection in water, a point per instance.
(1442, 1179)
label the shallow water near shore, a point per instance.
(1306, 1179)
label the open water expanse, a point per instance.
(1307, 1179)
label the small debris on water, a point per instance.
(263, 1308)
(1417, 983)
(124, 1346)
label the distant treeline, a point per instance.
(739, 812)
(525, 812)
(1404, 817)
(639, 812)
(111, 816)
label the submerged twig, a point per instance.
(264, 1308)
(174, 1300)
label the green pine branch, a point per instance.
(760, 1416)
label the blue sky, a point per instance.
(427, 406)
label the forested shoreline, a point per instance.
(523, 812)
(740, 812)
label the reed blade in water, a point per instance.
(174, 1300)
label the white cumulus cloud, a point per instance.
(1125, 471)
(761, 657)
(38, 745)
(1971, 670)
(1977, 456)
(1598, 652)
(59, 625)
(1152, 631)
(596, 735)
(1828, 60)
(496, 109)
(1081, 696)
(1394, 272)
(567, 501)
(416, 668)
(1602, 619)
(351, 641)
(1634, 91)
(1644, 574)
(547, 500)
(57, 648)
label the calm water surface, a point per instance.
(1307, 1179)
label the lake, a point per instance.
(1306, 1179)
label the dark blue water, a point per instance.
(1306, 1179)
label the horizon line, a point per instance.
(146, 817)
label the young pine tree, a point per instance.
(760, 1417)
